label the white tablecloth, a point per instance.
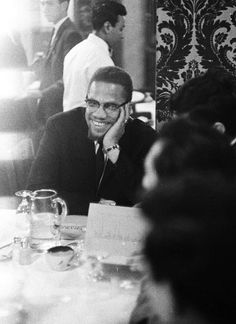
(44, 296)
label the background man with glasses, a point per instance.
(95, 153)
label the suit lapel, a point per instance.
(84, 148)
(65, 24)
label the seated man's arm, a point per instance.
(77, 202)
(135, 139)
(47, 167)
(129, 167)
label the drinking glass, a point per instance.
(23, 213)
(56, 222)
(24, 206)
(96, 272)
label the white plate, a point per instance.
(74, 226)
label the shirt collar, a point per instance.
(96, 146)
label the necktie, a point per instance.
(51, 41)
(99, 164)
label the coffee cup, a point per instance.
(60, 257)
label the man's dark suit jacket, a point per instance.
(51, 80)
(66, 162)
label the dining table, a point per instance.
(35, 293)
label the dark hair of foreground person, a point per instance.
(192, 245)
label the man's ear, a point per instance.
(220, 127)
(107, 27)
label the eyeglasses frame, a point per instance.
(111, 111)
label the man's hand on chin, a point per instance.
(115, 133)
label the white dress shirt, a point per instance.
(79, 65)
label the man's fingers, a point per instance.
(121, 118)
(127, 112)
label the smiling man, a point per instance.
(98, 152)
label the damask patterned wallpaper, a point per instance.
(192, 35)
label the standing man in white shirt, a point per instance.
(92, 53)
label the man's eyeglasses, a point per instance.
(107, 106)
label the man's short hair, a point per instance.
(204, 89)
(116, 75)
(106, 11)
(214, 90)
(189, 146)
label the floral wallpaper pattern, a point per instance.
(192, 35)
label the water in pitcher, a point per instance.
(41, 235)
(45, 219)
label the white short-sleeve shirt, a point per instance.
(80, 64)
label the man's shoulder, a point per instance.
(138, 135)
(72, 117)
(90, 47)
(84, 45)
(139, 128)
(69, 25)
(68, 28)
(73, 53)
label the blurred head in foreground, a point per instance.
(214, 93)
(191, 249)
(185, 146)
